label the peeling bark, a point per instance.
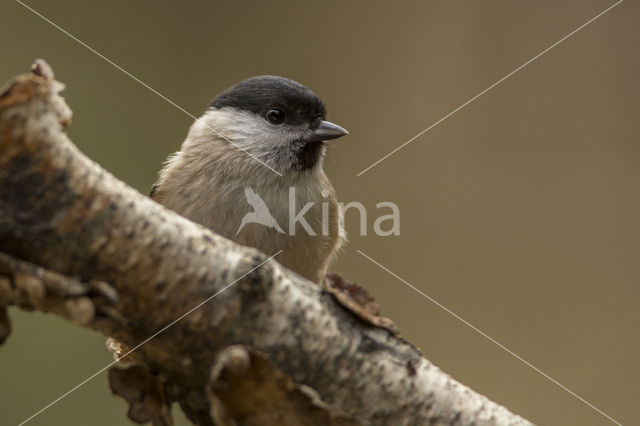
(246, 388)
(79, 243)
(143, 392)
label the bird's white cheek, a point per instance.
(249, 130)
(262, 136)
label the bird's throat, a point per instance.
(307, 154)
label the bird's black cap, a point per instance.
(259, 94)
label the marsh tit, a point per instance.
(251, 170)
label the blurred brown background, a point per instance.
(519, 213)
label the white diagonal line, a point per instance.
(145, 85)
(518, 357)
(146, 340)
(491, 87)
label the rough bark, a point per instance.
(270, 347)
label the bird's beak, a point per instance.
(327, 130)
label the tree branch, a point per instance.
(269, 347)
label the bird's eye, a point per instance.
(275, 116)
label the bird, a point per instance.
(261, 144)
